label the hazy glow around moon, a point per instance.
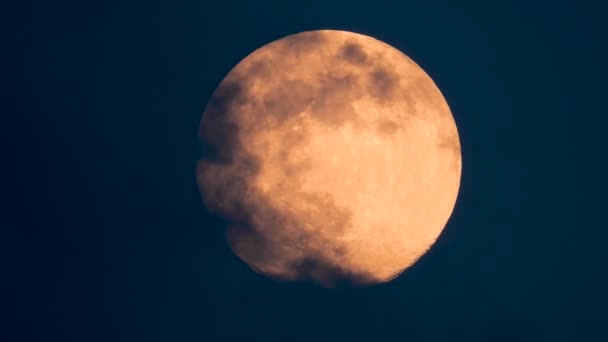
(333, 157)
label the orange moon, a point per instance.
(332, 157)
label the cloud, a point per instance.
(328, 274)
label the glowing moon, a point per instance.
(332, 156)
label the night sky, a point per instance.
(105, 236)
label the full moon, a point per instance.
(332, 157)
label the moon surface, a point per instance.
(332, 157)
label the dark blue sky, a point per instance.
(106, 238)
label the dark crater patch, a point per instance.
(387, 127)
(451, 143)
(353, 53)
(333, 104)
(383, 83)
(287, 99)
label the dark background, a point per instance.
(104, 236)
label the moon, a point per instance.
(332, 157)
